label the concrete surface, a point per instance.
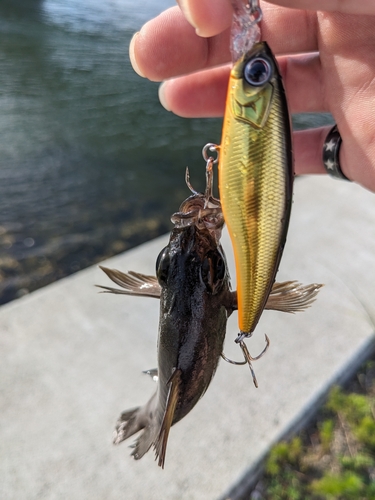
(71, 361)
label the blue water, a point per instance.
(90, 163)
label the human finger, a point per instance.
(168, 45)
(343, 6)
(203, 94)
(289, 31)
(211, 18)
(307, 149)
(199, 95)
(208, 17)
(356, 161)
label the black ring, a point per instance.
(331, 151)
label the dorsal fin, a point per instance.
(160, 445)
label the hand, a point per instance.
(327, 59)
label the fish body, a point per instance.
(195, 302)
(256, 177)
(192, 324)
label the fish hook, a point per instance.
(187, 181)
(208, 194)
(248, 357)
(210, 162)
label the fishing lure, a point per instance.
(255, 166)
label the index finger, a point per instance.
(168, 45)
(210, 17)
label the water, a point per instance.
(90, 163)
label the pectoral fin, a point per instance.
(288, 296)
(292, 296)
(132, 283)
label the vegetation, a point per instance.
(335, 458)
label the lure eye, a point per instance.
(162, 265)
(257, 71)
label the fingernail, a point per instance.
(162, 98)
(133, 60)
(184, 6)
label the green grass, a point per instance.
(334, 459)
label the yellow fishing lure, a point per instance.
(256, 177)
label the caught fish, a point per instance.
(255, 168)
(193, 285)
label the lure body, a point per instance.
(256, 177)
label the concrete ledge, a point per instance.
(72, 361)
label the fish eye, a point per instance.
(257, 71)
(162, 265)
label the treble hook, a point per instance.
(187, 181)
(247, 356)
(210, 162)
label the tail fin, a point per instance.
(128, 424)
(156, 425)
(132, 421)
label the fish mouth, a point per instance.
(201, 210)
(195, 211)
